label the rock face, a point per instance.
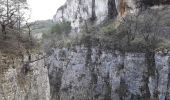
(18, 84)
(83, 73)
(77, 11)
(107, 76)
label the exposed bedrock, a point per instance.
(107, 76)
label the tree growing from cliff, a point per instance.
(29, 28)
(61, 28)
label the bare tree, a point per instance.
(11, 14)
(29, 28)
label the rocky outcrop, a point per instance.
(77, 11)
(17, 83)
(97, 11)
(107, 76)
(81, 73)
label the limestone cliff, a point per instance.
(19, 83)
(75, 75)
(88, 74)
(77, 11)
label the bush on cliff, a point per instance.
(61, 28)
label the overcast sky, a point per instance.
(44, 9)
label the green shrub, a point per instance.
(109, 29)
(61, 28)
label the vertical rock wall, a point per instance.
(18, 85)
(108, 76)
(77, 11)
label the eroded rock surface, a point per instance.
(107, 76)
(79, 11)
(18, 84)
(82, 74)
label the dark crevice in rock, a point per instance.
(150, 61)
(156, 92)
(93, 67)
(88, 63)
(89, 53)
(112, 11)
(80, 2)
(93, 17)
(55, 83)
(122, 90)
(56, 75)
(145, 88)
(135, 97)
(168, 85)
(67, 88)
(151, 69)
(26, 68)
(108, 88)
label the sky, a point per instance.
(44, 9)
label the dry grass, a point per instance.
(16, 44)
